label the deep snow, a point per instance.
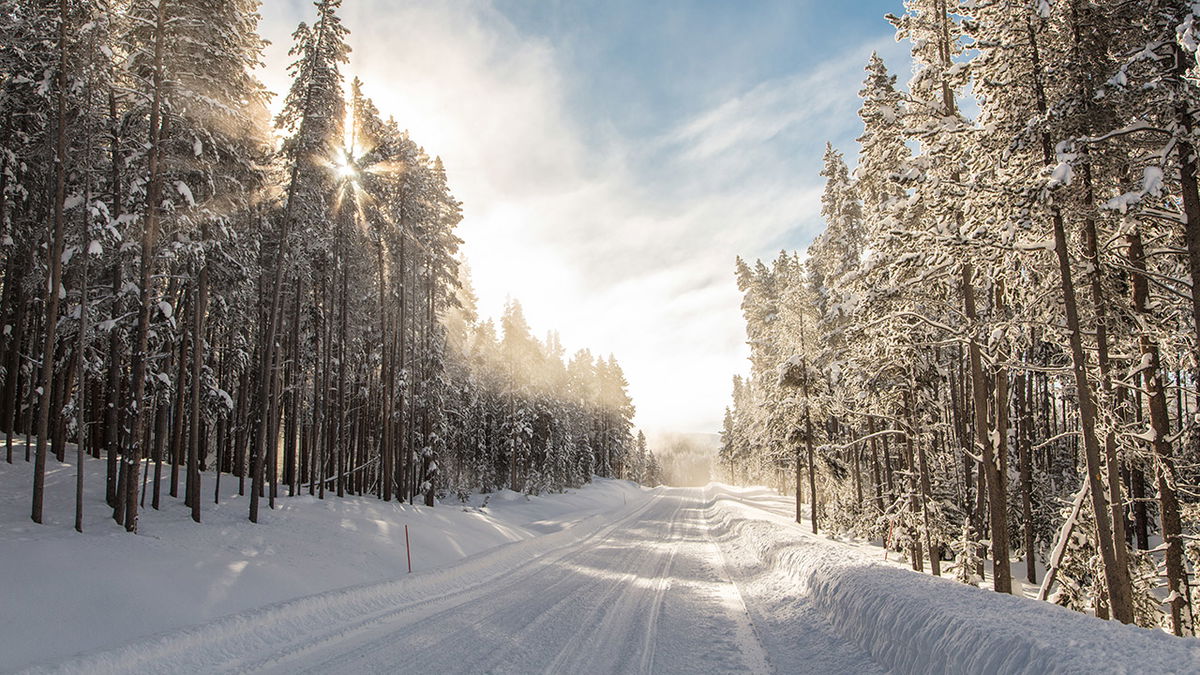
(62, 592)
(916, 623)
(610, 578)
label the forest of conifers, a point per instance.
(191, 286)
(991, 352)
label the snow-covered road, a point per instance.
(644, 590)
(687, 580)
(647, 593)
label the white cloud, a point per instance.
(623, 245)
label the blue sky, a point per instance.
(646, 65)
(614, 157)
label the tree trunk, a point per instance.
(1189, 186)
(149, 242)
(996, 490)
(1172, 529)
(933, 550)
(1025, 466)
(1116, 500)
(12, 366)
(1120, 598)
(81, 346)
(54, 265)
(199, 308)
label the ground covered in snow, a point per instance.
(62, 592)
(612, 578)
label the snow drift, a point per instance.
(915, 623)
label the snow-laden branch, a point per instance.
(847, 446)
(1060, 548)
(1135, 128)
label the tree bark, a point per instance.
(54, 265)
(1119, 598)
(199, 308)
(1168, 500)
(996, 490)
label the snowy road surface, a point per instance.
(646, 590)
(647, 593)
(688, 580)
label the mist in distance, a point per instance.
(687, 459)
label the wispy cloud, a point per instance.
(625, 245)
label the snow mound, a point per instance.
(916, 623)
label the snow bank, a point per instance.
(63, 593)
(916, 623)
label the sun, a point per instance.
(344, 168)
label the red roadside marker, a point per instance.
(408, 549)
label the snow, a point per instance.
(225, 397)
(1152, 184)
(612, 577)
(186, 192)
(105, 587)
(1044, 245)
(1149, 435)
(917, 623)
(1062, 174)
(1152, 180)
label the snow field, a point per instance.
(610, 578)
(63, 593)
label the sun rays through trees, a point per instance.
(193, 292)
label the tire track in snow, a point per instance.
(581, 651)
(664, 585)
(508, 606)
(285, 630)
(420, 611)
(747, 639)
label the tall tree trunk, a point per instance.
(149, 242)
(1116, 500)
(269, 351)
(996, 490)
(1120, 599)
(12, 367)
(54, 265)
(112, 411)
(343, 329)
(199, 308)
(1168, 500)
(933, 550)
(1025, 467)
(179, 409)
(1185, 153)
(80, 349)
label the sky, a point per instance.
(614, 157)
